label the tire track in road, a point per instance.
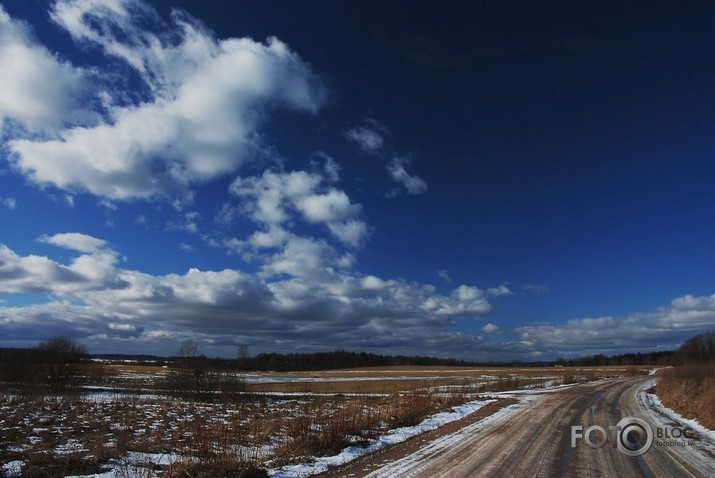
(534, 440)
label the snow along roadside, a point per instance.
(702, 453)
(321, 464)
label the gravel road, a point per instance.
(533, 438)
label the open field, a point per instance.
(379, 379)
(130, 424)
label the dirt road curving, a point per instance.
(533, 438)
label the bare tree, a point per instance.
(191, 377)
(59, 363)
(242, 354)
(189, 349)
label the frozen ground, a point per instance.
(146, 418)
(398, 435)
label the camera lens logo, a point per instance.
(635, 436)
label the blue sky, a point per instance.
(487, 181)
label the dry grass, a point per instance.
(689, 390)
(235, 434)
(390, 380)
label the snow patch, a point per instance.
(394, 436)
(12, 469)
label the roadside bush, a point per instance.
(410, 408)
(689, 387)
(690, 391)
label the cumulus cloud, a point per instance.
(272, 199)
(75, 241)
(27, 98)
(665, 327)
(305, 292)
(92, 271)
(199, 117)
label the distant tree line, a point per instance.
(336, 360)
(638, 359)
(697, 350)
(293, 362)
(340, 359)
(52, 366)
(59, 364)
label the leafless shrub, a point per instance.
(410, 408)
(59, 364)
(192, 379)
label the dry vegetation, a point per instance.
(237, 432)
(689, 387)
(73, 435)
(690, 391)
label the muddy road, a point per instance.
(534, 438)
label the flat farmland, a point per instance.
(382, 379)
(131, 421)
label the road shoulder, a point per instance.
(366, 464)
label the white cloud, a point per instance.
(367, 139)
(413, 184)
(187, 222)
(36, 274)
(207, 100)
(370, 139)
(75, 241)
(667, 326)
(268, 239)
(37, 90)
(330, 206)
(10, 203)
(272, 199)
(304, 294)
(499, 291)
(352, 232)
(444, 275)
(331, 169)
